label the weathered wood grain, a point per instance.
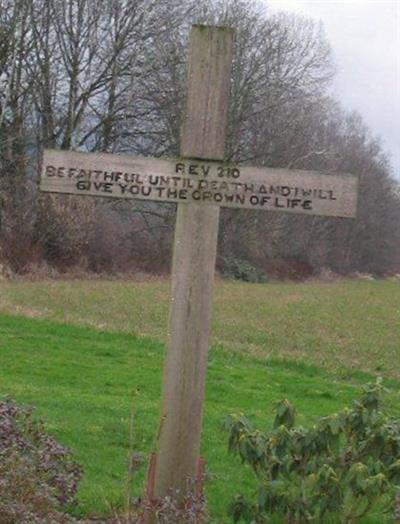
(199, 181)
(195, 248)
(209, 67)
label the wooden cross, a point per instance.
(200, 182)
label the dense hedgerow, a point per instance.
(38, 478)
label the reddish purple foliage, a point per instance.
(38, 475)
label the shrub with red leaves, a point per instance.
(38, 478)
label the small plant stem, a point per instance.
(131, 466)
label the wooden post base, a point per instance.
(196, 489)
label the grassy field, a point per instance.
(312, 343)
(344, 326)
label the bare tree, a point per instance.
(109, 75)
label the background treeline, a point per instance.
(109, 75)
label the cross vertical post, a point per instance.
(195, 246)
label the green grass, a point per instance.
(84, 383)
(312, 343)
(333, 325)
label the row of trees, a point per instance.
(110, 76)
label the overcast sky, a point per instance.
(365, 38)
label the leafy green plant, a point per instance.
(38, 479)
(342, 468)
